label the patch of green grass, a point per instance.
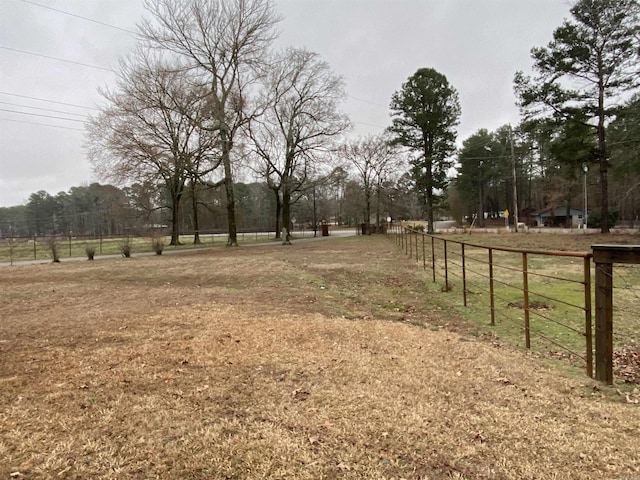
(557, 319)
(16, 250)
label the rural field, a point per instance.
(323, 359)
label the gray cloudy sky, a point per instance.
(374, 44)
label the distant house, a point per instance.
(557, 217)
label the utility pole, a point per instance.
(515, 187)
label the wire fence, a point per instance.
(541, 300)
(626, 294)
(16, 249)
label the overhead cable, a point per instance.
(80, 17)
(44, 109)
(46, 100)
(41, 115)
(57, 59)
(2, 119)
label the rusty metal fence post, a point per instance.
(491, 299)
(446, 268)
(433, 259)
(464, 276)
(525, 288)
(587, 316)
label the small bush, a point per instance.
(90, 250)
(125, 249)
(157, 244)
(418, 228)
(53, 248)
(595, 220)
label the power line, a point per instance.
(369, 125)
(50, 101)
(80, 16)
(57, 59)
(386, 107)
(44, 109)
(41, 115)
(40, 124)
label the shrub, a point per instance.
(90, 250)
(53, 248)
(157, 244)
(125, 249)
(595, 220)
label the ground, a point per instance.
(318, 360)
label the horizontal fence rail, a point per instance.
(540, 299)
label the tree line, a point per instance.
(144, 210)
(204, 102)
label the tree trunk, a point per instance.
(196, 220)
(232, 240)
(480, 219)
(367, 219)
(175, 219)
(286, 212)
(602, 150)
(429, 193)
(278, 213)
(378, 226)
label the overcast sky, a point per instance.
(374, 44)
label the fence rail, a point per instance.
(542, 299)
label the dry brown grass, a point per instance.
(280, 362)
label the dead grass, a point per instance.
(280, 362)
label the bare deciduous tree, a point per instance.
(146, 132)
(300, 121)
(374, 158)
(225, 42)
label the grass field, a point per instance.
(327, 359)
(23, 249)
(556, 291)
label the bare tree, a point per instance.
(225, 41)
(300, 121)
(145, 133)
(374, 159)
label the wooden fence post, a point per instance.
(604, 256)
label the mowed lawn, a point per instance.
(322, 359)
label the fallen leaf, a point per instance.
(300, 394)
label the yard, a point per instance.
(318, 360)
